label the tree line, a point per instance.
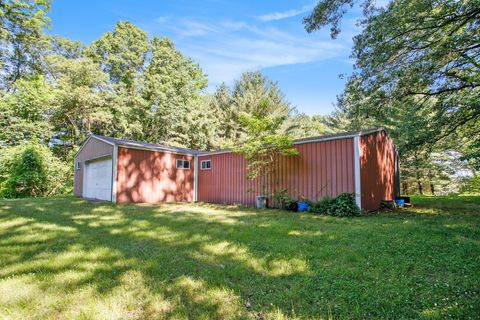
(417, 73)
(57, 91)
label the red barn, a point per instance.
(364, 163)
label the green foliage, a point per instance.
(471, 185)
(25, 114)
(264, 145)
(21, 39)
(342, 206)
(290, 204)
(321, 207)
(473, 154)
(330, 12)
(31, 170)
(122, 53)
(173, 88)
(284, 201)
(82, 92)
(252, 94)
(416, 73)
(125, 85)
(280, 197)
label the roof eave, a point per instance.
(311, 139)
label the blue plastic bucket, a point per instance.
(302, 206)
(400, 202)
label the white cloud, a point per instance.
(225, 49)
(191, 28)
(283, 15)
(162, 19)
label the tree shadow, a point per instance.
(207, 260)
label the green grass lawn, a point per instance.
(63, 258)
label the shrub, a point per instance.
(291, 204)
(341, 206)
(321, 207)
(344, 205)
(280, 197)
(31, 170)
(285, 202)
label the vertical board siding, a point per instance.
(321, 169)
(377, 169)
(92, 149)
(152, 176)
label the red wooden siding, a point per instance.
(377, 169)
(92, 149)
(321, 169)
(226, 181)
(152, 176)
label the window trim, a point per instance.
(79, 165)
(183, 164)
(206, 160)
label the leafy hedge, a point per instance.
(342, 206)
(31, 170)
(321, 207)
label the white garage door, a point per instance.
(97, 182)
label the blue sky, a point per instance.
(229, 37)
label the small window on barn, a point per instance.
(206, 164)
(183, 164)
(78, 165)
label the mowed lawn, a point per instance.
(64, 258)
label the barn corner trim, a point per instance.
(356, 162)
(114, 173)
(195, 178)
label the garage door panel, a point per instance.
(98, 180)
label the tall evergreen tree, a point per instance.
(172, 86)
(252, 94)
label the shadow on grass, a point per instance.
(211, 261)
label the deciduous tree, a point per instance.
(21, 39)
(264, 145)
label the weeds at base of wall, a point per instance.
(343, 205)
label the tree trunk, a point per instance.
(405, 187)
(74, 127)
(417, 175)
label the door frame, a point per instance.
(86, 163)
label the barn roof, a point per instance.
(144, 145)
(159, 147)
(325, 137)
(340, 135)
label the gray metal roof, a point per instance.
(144, 145)
(325, 137)
(339, 135)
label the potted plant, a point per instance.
(263, 147)
(291, 204)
